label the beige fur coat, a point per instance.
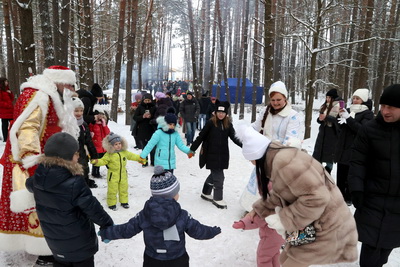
(307, 194)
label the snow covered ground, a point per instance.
(231, 248)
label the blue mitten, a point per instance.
(104, 240)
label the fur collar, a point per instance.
(74, 168)
(110, 149)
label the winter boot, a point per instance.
(125, 205)
(44, 261)
(221, 204)
(113, 207)
(206, 193)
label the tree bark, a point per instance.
(145, 32)
(245, 48)
(47, 37)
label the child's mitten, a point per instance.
(190, 154)
(238, 225)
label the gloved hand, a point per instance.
(344, 114)
(274, 222)
(357, 197)
(142, 161)
(190, 154)
(94, 161)
(104, 240)
(238, 225)
(341, 120)
(217, 230)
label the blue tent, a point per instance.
(232, 82)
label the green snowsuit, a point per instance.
(117, 176)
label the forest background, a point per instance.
(311, 45)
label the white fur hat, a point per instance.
(362, 93)
(77, 102)
(278, 87)
(60, 74)
(254, 143)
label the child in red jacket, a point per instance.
(6, 107)
(99, 130)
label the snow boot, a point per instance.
(221, 204)
(44, 261)
(206, 193)
(113, 207)
(125, 205)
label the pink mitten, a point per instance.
(238, 225)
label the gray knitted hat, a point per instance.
(164, 184)
(113, 138)
(61, 145)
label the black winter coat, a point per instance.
(144, 129)
(348, 132)
(204, 102)
(86, 139)
(158, 215)
(375, 171)
(189, 110)
(328, 133)
(215, 144)
(66, 208)
(88, 101)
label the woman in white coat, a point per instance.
(278, 121)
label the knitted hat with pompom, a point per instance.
(164, 183)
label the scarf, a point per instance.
(357, 108)
(80, 121)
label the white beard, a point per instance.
(69, 123)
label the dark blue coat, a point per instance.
(375, 171)
(158, 215)
(67, 210)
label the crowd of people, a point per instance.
(47, 207)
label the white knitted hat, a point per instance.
(362, 93)
(254, 144)
(60, 74)
(77, 102)
(278, 87)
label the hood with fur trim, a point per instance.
(109, 148)
(162, 124)
(74, 168)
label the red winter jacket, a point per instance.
(6, 105)
(99, 132)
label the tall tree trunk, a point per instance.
(27, 40)
(193, 49)
(201, 48)
(312, 75)
(89, 75)
(56, 33)
(130, 49)
(11, 72)
(269, 33)
(64, 32)
(212, 62)
(47, 37)
(246, 46)
(118, 59)
(222, 50)
(142, 50)
(207, 51)
(256, 62)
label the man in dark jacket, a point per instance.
(189, 110)
(374, 181)
(66, 208)
(204, 103)
(89, 99)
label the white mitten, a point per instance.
(274, 222)
(344, 114)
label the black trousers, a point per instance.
(182, 261)
(342, 182)
(4, 128)
(216, 178)
(373, 257)
(86, 263)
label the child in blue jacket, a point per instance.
(165, 139)
(163, 223)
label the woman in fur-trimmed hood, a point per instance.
(66, 208)
(116, 159)
(302, 193)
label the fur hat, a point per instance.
(391, 96)
(222, 106)
(61, 145)
(170, 116)
(332, 93)
(60, 74)
(164, 184)
(159, 95)
(362, 93)
(113, 138)
(278, 87)
(254, 144)
(77, 103)
(96, 90)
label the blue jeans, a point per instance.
(202, 121)
(190, 130)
